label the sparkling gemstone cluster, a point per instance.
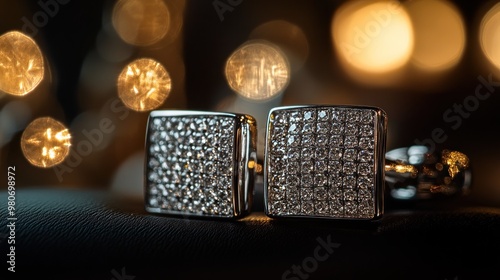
(321, 162)
(190, 165)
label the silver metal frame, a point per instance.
(380, 135)
(244, 161)
(424, 174)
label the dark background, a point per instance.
(69, 94)
(61, 231)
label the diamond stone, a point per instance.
(307, 194)
(323, 115)
(332, 171)
(193, 156)
(294, 128)
(307, 180)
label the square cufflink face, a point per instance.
(199, 163)
(325, 162)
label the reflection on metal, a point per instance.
(401, 168)
(406, 193)
(373, 37)
(442, 189)
(141, 22)
(258, 71)
(490, 35)
(254, 165)
(456, 162)
(21, 64)
(443, 173)
(45, 142)
(439, 34)
(144, 85)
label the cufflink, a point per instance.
(199, 163)
(325, 162)
(419, 173)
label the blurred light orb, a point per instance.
(141, 22)
(21, 64)
(14, 117)
(439, 34)
(490, 35)
(290, 37)
(144, 85)
(112, 48)
(45, 142)
(258, 71)
(374, 37)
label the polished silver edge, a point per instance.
(187, 113)
(265, 168)
(242, 197)
(381, 139)
(246, 160)
(379, 159)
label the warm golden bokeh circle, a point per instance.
(144, 85)
(258, 71)
(141, 22)
(439, 34)
(21, 64)
(45, 142)
(489, 35)
(291, 39)
(373, 37)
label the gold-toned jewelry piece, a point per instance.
(416, 173)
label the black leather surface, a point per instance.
(84, 234)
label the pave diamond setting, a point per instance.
(190, 166)
(330, 168)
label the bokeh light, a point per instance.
(258, 70)
(288, 36)
(21, 64)
(111, 48)
(45, 142)
(439, 34)
(14, 117)
(141, 22)
(144, 85)
(490, 35)
(373, 37)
